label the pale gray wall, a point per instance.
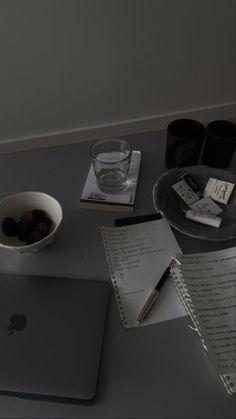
(75, 64)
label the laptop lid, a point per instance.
(51, 334)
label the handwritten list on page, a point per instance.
(137, 256)
(210, 279)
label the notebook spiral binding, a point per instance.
(229, 380)
(114, 283)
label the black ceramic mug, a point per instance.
(220, 144)
(184, 143)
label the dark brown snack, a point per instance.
(27, 217)
(44, 229)
(39, 215)
(34, 236)
(23, 230)
(9, 226)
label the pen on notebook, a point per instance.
(154, 294)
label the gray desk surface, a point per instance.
(158, 371)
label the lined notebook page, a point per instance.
(137, 256)
(206, 283)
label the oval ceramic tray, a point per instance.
(171, 206)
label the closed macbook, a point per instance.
(51, 336)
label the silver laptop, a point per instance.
(51, 335)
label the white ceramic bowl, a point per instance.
(15, 205)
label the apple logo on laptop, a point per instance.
(17, 323)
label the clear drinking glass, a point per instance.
(111, 162)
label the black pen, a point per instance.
(154, 294)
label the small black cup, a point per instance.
(220, 144)
(184, 142)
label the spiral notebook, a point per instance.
(205, 284)
(137, 255)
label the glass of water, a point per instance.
(111, 161)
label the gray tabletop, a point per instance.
(159, 371)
